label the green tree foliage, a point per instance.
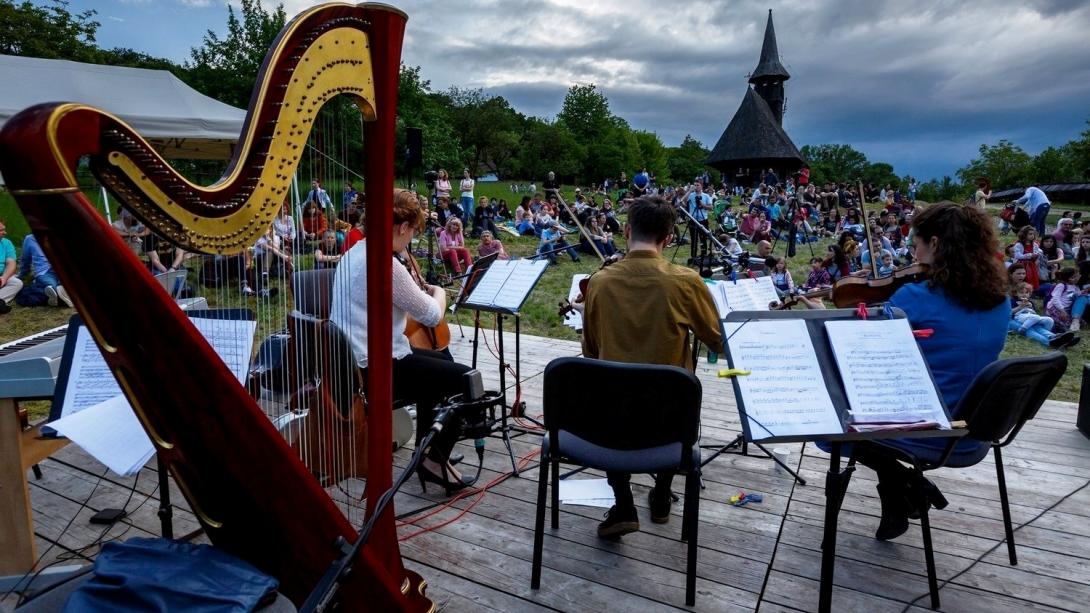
(935, 190)
(226, 68)
(545, 147)
(51, 31)
(653, 155)
(880, 174)
(1005, 164)
(687, 160)
(833, 162)
(487, 127)
(419, 107)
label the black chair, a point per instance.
(313, 291)
(646, 420)
(999, 401)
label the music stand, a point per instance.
(528, 273)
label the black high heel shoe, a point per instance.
(426, 476)
(895, 512)
(922, 492)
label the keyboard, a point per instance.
(29, 366)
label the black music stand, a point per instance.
(489, 284)
(836, 479)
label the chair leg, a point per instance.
(556, 494)
(929, 557)
(689, 521)
(1004, 501)
(539, 524)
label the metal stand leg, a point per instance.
(476, 336)
(166, 512)
(740, 441)
(833, 500)
(1005, 503)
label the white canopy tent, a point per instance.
(179, 121)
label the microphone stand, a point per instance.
(720, 248)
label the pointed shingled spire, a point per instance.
(769, 65)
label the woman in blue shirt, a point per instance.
(964, 301)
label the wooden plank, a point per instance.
(17, 550)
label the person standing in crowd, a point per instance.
(466, 188)
(698, 203)
(1037, 205)
(665, 303)
(10, 284)
(348, 196)
(44, 287)
(318, 194)
(442, 185)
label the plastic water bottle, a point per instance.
(713, 357)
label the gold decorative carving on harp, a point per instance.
(252, 495)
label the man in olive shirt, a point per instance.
(642, 310)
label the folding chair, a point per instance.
(647, 420)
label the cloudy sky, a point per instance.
(920, 84)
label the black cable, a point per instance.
(981, 557)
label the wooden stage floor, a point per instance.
(759, 557)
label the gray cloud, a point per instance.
(917, 84)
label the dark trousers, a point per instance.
(622, 491)
(698, 241)
(426, 378)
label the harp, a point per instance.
(254, 498)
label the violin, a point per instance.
(850, 291)
(790, 301)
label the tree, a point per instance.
(50, 32)
(687, 159)
(226, 69)
(880, 174)
(1054, 165)
(834, 163)
(486, 128)
(1005, 164)
(653, 155)
(418, 107)
(1080, 154)
(547, 147)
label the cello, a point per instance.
(435, 338)
(254, 498)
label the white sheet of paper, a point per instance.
(785, 393)
(574, 319)
(111, 433)
(484, 293)
(520, 282)
(90, 380)
(586, 492)
(884, 372)
(743, 295)
(232, 340)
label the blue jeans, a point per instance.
(467, 206)
(1039, 328)
(1037, 218)
(33, 294)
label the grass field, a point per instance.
(539, 315)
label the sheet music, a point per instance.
(491, 283)
(884, 372)
(785, 393)
(91, 382)
(232, 340)
(744, 295)
(506, 284)
(111, 433)
(523, 278)
(574, 319)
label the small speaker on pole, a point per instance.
(414, 142)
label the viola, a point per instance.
(567, 306)
(435, 338)
(850, 291)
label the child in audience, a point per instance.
(1026, 321)
(1066, 302)
(781, 278)
(819, 276)
(885, 268)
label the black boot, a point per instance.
(922, 492)
(895, 510)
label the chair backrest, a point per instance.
(313, 290)
(1007, 394)
(622, 406)
(321, 353)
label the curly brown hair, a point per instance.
(964, 263)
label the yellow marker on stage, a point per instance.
(733, 372)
